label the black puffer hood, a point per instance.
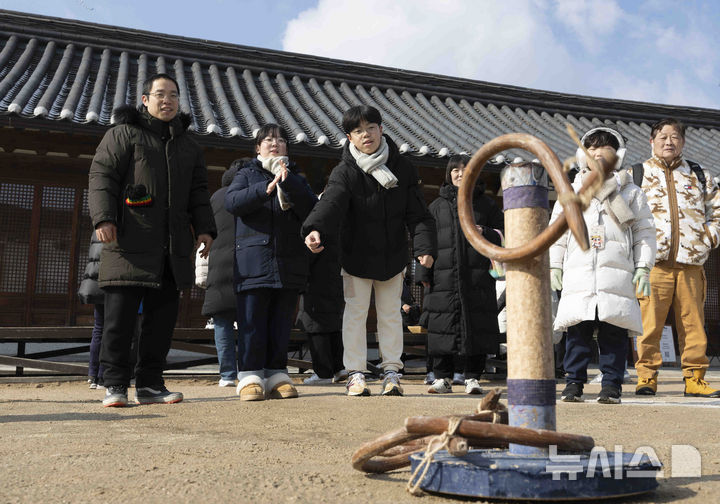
(449, 191)
(128, 114)
(229, 174)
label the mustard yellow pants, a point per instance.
(684, 288)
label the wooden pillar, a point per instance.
(71, 310)
(531, 378)
(33, 251)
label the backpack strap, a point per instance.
(699, 173)
(638, 170)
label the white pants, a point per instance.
(389, 321)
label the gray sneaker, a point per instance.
(458, 379)
(159, 395)
(340, 376)
(115, 396)
(391, 384)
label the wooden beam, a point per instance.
(74, 253)
(60, 367)
(33, 252)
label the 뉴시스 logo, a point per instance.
(685, 462)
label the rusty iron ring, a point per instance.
(572, 214)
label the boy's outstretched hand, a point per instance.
(312, 241)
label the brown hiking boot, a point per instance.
(646, 386)
(695, 386)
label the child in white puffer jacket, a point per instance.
(599, 285)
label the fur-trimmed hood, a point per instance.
(127, 114)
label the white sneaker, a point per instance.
(430, 378)
(356, 385)
(226, 383)
(472, 386)
(440, 386)
(597, 378)
(340, 376)
(458, 379)
(316, 380)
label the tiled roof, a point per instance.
(62, 70)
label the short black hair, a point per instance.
(273, 131)
(455, 161)
(601, 139)
(668, 121)
(352, 117)
(148, 84)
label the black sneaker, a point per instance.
(573, 392)
(156, 395)
(609, 395)
(115, 396)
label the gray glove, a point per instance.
(556, 279)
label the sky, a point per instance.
(659, 51)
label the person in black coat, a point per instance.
(374, 193)
(90, 293)
(461, 300)
(220, 302)
(149, 204)
(269, 200)
(320, 315)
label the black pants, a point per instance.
(472, 366)
(326, 352)
(160, 310)
(612, 342)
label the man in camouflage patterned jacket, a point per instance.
(687, 221)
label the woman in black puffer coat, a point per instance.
(220, 302)
(460, 298)
(320, 315)
(90, 293)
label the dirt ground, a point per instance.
(58, 444)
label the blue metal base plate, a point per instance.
(499, 474)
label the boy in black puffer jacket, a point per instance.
(374, 193)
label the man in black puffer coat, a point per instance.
(147, 194)
(374, 194)
(461, 302)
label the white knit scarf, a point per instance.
(272, 164)
(374, 164)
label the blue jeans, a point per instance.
(612, 343)
(225, 345)
(264, 321)
(95, 369)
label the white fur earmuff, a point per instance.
(580, 154)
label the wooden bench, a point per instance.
(196, 340)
